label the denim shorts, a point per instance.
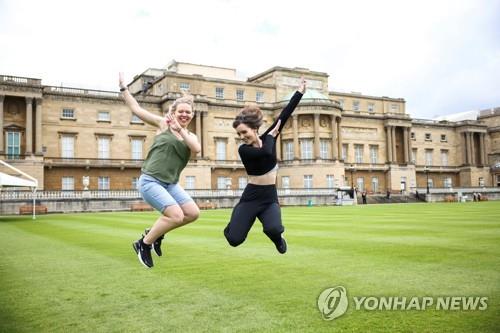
(160, 195)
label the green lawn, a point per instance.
(78, 272)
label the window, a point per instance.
(136, 120)
(360, 183)
(184, 86)
(394, 108)
(330, 181)
(136, 148)
(443, 138)
(447, 182)
(288, 150)
(68, 113)
(103, 116)
(221, 183)
(412, 136)
(358, 153)
(103, 147)
(190, 183)
(430, 183)
(355, 105)
(306, 149)
(13, 144)
(68, 183)
(374, 184)
(428, 137)
(67, 146)
(103, 183)
(135, 182)
(371, 107)
(414, 155)
(374, 154)
(259, 96)
(344, 151)
(240, 94)
(444, 157)
(481, 181)
(220, 150)
(341, 102)
(242, 182)
(428, 157)
(324, 149)
(219, 92)
(285, 182)
(308, 181)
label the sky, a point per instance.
(442, 57)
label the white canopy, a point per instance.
(8, 180)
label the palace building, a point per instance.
(60, 135)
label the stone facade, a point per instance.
(59, 135)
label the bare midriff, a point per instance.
(268, 178)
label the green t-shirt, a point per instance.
(167, 157)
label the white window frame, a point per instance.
(428, 156)
(135, 119)
(324, 149)
(103, 147)
(414, 152)
(374, 184)
(219, 92)
(373, 154)
(13, 148)
(358, 153)
(68, 113)
(355, 105)
(240, 94)
(135, 182)
(190, 183)
(104, 116)
(67, 146)
(242, 182)
(345, 148)
(330, 181)
(259, 97)
(220, 149)
(184, 86)
(68, 183)
(444, 157)
(308, 181)
(360, 183)
(444, 138)
(447, 182)
(288, 153)
(306, 149)
(428, 137)
(136, 149)
(103, 183)
(221, 183)
(371, 107)
(285, 181)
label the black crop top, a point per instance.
(259, 161)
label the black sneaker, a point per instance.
(156, 244)
(143, 253)
(281, 247)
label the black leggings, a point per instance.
(257, 201)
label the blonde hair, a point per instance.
(185, 99)
(250, 115)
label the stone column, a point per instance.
(482, 150)
(389, 143)
(2, 97)
(278, 147)
(295, 127)
(316, 136)
(38, 128)
(198, 130)
(409, 145)
(469, 149)
(29, 125)
(472, 149)
(405, 144)
(339, 137)
(204, 136)
(335, 154)
(393, 138)
(465, 158)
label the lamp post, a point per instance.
(426, 169)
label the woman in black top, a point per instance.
(258, 154)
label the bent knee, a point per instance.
(233, 240)
(192, 215)
(175, 215)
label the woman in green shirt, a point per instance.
(167, 157)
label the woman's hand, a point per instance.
(274, 132)
(172, 122)
(302, 86)
(121, 81)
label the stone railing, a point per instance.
(20, 80)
